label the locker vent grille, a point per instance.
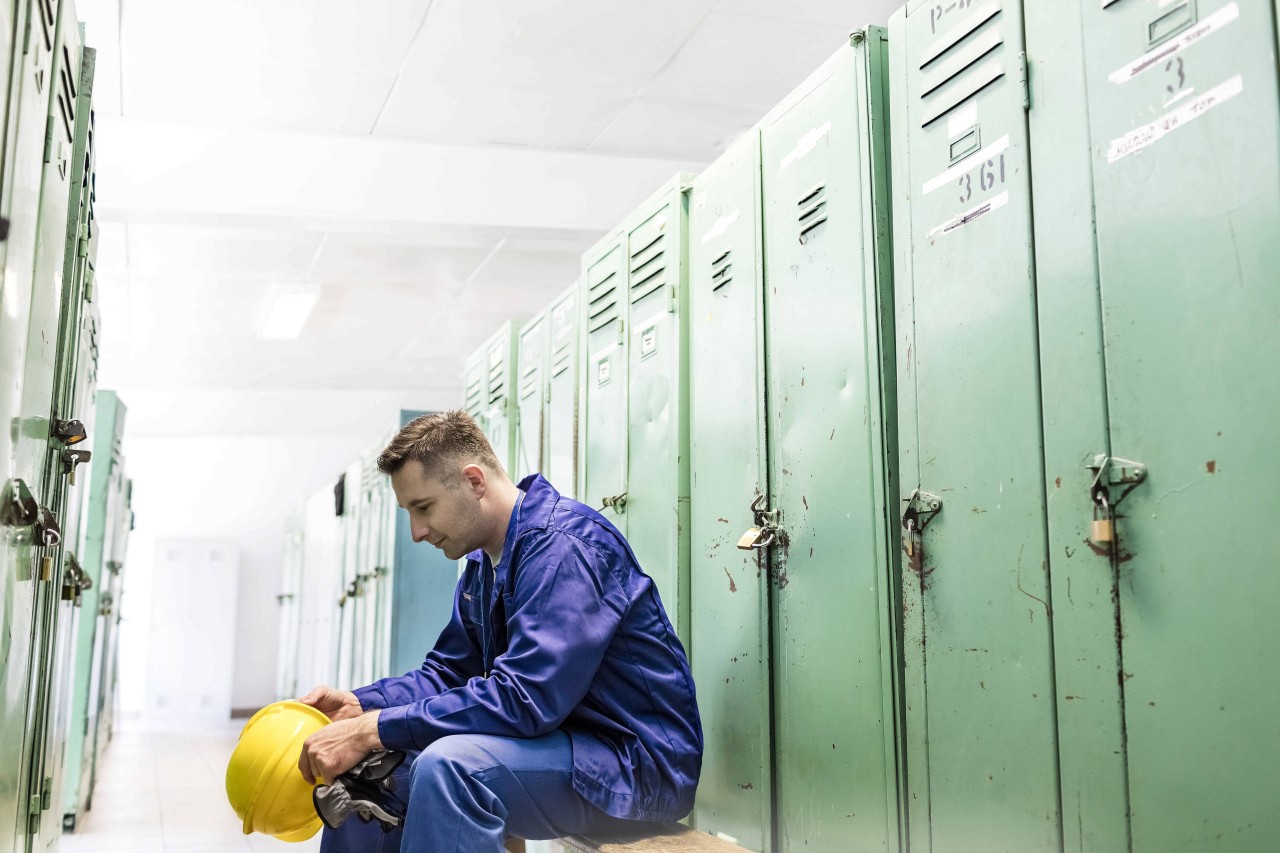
(529, 378)
(962, 62)
(47, 22)
(603, 307)
(475, 392)
(497, 379)
(812, 211)
(561, 356)
(67, 97)
(722, 270)
(649, 267)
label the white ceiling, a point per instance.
(435, 165)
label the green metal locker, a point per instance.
(26, 391)
(561, 466)
(602, 421)
(980, 723)
(533, 359)
(830, 410)
(321, 588)
(96, 615)
(1174, 328)
(349, 613)
(474, 379)
(287, 686)
(500, 384)
(657, 484)
(729, 588)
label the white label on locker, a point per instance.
(807, 143)
(1165, 52)
(991, 151)
(721, 226)
(648, 341)
(970, 215)
(963, 118)
(1135, 141)
(602, 372)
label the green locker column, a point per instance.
(1184, 129)
(562, 394)
(27, 307)
(287, 686)
(1095, 796)
(831, 443)
(531, 419)
(474, 379)
(729, 588)
(980, 727)
(106, 482)
(602, 421)
(347, 601)
(657, 502)
(500, 412)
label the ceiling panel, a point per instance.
(746, 60)
(675, 128)
(194, 252)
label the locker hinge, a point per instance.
(33, 806)
(46, 793)
(1024, 80)
(48, 141)
(671, 300)
(88, 284)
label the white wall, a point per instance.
(235, 488)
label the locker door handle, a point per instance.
(18, 508)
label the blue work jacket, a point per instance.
(566, 632)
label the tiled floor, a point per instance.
(163, 792)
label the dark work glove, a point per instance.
(364, 790)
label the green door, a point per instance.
(602, 425)
(1185, 133)
(25, 396)
(500, 380)
(728, 587)
(531, 415)
(978, 657)
(657, 405)
(561, 467)
(831, 439)
(287, 686)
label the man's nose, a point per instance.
(420, 532)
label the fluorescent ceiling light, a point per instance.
(288, 310)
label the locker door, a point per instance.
(474, 377)
(531, 419)
(982, 757)
(604, 393)
(562, 394)
(500, 426)
(1186, 142)
(827, 300)
(657, 405)
(287, 686)
(729, 588)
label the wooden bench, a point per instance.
(673, 838)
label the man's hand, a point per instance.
(338, 747)
(334, 704)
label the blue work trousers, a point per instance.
(468, 793)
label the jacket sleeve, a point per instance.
(455, 658)
(565, 608)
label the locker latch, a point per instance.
(617, 503)
(72, 458)
(74, 581)
(764, 531)
(18, 507)
(921, 509)
(1109, 473)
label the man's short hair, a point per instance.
(443, 442)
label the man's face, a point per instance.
(444, 513)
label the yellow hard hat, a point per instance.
(264, 785)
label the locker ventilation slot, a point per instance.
(497, 381)
(67, 97)
(813, 211)
(475, 394)
(603, 307)
(561, 356)
(47, 22)
(970, 62)
(722, 270)
(649, 268)
(529, 376)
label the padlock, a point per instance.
(1103, 530)
(46, 568)
(749, 539)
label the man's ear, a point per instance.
(475, 480)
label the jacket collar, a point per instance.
(533, 513)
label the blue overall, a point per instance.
(558, 699)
